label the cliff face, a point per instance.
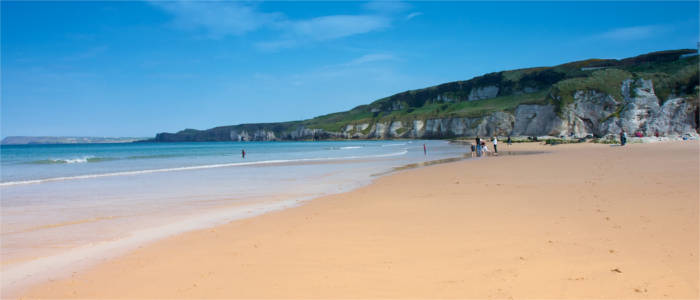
(594, 97)
(592, 113)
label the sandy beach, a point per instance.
(579, 221)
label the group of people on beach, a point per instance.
(480, 148)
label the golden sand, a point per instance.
(581, 221)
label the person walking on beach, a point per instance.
(495, 145)
(509, 141)
(473, 150)
(243, 153)
(478, 146)
(623, 138)
(425, 150)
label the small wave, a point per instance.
(67, 223)
(189, 168)
(350, 147)
(394, 145)
(78, 160)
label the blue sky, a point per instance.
(138, 68)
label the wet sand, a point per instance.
(580, 221)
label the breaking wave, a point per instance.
(188, 168)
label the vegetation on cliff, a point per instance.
(673, 73)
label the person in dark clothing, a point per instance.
(623, 138)
(243, 153)
(509, 141)
(478, 146)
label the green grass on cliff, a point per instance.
(606, 81)
(671, 75)
(468, 109)
(555, 85)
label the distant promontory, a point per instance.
(29, 140)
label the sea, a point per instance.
(64, 207)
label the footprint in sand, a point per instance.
(576, 278)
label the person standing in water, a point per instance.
(243, 153)
(425, 150)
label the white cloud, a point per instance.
(218, 19)
(633, 33)
(369, 58)
(337, 26)
(413, 15)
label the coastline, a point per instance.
(551, 225)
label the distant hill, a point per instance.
(654, 92)
(27, 140)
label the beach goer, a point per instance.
(495, 145)
(243, 153)
(425, 150)
(509, 141)
(485, 148)
(473, 150)
(478, 146)
(623, 138)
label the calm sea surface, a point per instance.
(63, 205)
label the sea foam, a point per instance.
(201, 167)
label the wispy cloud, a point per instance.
(219, 19)
(337, 26)
(370, 58)
(633, 33)
(413, 15)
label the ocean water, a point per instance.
(64, 206)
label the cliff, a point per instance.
(655, 92)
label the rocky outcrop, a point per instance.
(485, 92)
(570, 103)
(535, 120)
(592, 113)
(598, 114)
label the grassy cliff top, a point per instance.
(672, 75)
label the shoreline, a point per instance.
(281, 250)
(27, 272)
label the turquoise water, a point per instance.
(63, 204)
(26, 163)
